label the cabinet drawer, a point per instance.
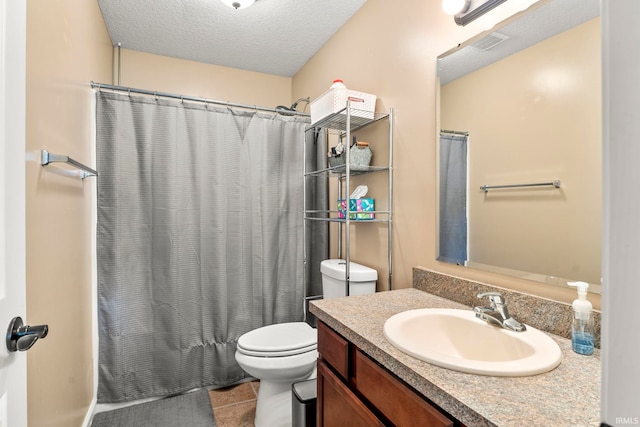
(400, 405)
(333, 349)
(338, 406)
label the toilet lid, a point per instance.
(282, 339)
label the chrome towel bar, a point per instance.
(86, 171)
(556, 183)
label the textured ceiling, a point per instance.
(271, 36)
(533, 27)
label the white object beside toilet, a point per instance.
(282, 354)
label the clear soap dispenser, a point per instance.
(582, 325)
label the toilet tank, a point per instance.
(362, 278)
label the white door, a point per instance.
(13, 365)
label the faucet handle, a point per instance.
(494, 297)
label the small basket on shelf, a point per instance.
(359, 156)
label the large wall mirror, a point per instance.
(521, 112)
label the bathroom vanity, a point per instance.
(345, 372)
(364, 380)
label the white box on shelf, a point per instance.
(335, 100)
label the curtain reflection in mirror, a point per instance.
(453, 197)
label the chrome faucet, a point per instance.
(497, 312)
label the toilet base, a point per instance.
(274, 407)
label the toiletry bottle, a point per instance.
(582, 325)
(338, 84)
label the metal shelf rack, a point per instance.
(343, 123)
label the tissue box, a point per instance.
(359, 209)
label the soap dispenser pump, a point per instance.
(582, 325)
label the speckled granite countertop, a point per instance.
(566, 396)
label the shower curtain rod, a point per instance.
(130, 90)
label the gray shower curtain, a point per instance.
(453, 198)
(199, 239)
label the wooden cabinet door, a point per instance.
(398, 403)
(338, 406)
(333, 349)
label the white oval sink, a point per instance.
(456, 339)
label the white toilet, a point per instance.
(285, 353)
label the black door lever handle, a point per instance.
(21, 337)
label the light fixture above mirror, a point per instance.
(465, 11)
(453, 7)
(238, 4)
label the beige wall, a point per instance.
(534, 117)
(391, 51)
(67, 47)
(164, 74)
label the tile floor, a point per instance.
(235, 406)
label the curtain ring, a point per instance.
(182, 99)
(155, 95)
(129, 93)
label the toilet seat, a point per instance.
(279, 340)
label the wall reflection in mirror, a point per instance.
(521, 104)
